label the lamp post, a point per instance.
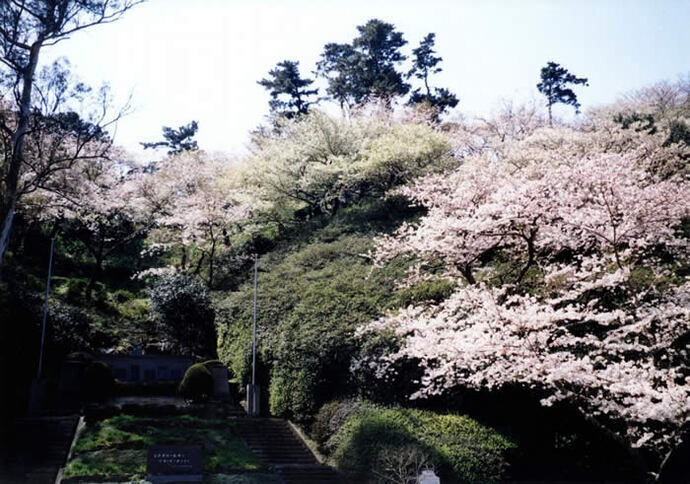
(253, 393)
(38, 386)
(45, 309)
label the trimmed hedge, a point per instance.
(197, 384)
(362, 440)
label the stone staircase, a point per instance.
(39, 448)
(275, 441)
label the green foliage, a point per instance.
(98, 382)
(323, 163)
(183, 309)
(460, 448)
(333, 415)
(424, 63)
(680, 133)
(197, 384)
(641, 122)
(117, 464)
(435, 290)
(313, 294)
(366, 68)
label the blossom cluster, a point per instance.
(596, 306)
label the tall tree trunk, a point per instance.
(9, 202)
(550, 119)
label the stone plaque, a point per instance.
(174, 463)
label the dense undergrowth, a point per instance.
(315, 290)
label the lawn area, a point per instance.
(116, 448)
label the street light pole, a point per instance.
(38, 386)
(253, 392)
(45, 308)
(256, 279)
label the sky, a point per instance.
(183, 60)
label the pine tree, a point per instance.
(553, 85)
(366, 68)
(177, 140)
(424, 64)
(285, 83)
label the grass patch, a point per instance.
(113, 463)
(116, 447)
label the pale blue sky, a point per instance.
(200, 59)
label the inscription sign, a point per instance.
(174, 463)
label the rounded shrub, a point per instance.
(332, 416)
(98, 382)
(375, 439)
(197, 384)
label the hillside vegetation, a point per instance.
(420, 267)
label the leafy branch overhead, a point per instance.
(26, 27)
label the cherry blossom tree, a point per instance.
(105, 204)
(593, 309)
(204, 205)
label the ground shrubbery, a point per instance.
(367, 441)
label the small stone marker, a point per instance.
(428, 476)
(174, 463)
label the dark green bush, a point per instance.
(98, 383)
(332, 417)
(458, 447)
(197, 384)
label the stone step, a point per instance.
(275, 441)
(41, 445)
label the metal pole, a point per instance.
(45, 308)
(256, 277)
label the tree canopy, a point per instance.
(25, 28)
